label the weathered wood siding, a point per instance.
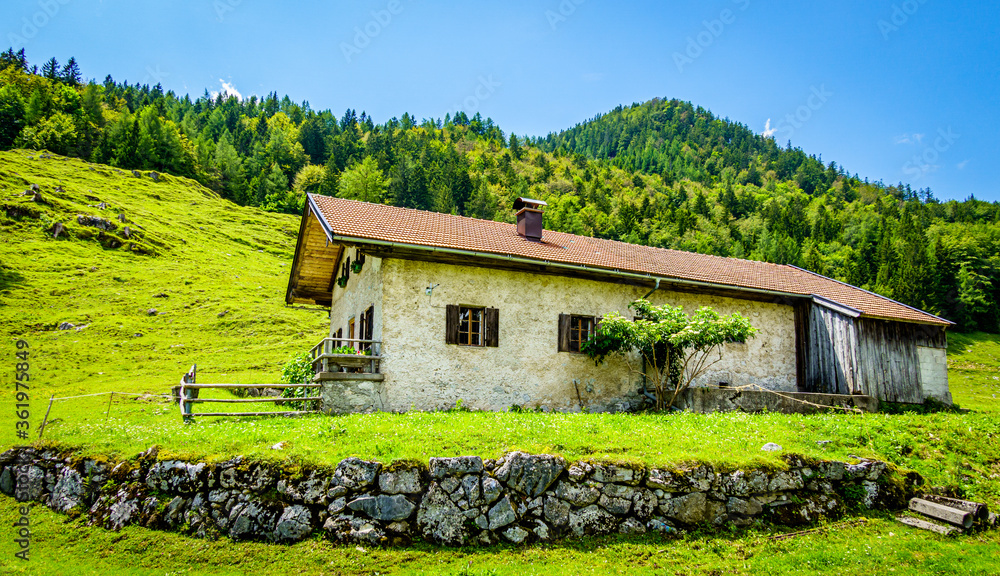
(830, 352)
(839, 354)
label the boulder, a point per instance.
(249, 520)
(530, 474)
(516, 535)
(616, 474)
(556, 511)
(491, 490)
(692, 509)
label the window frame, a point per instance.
(576, 330)
(480, 333)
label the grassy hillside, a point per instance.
(215, 274)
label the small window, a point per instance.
(574, 330)
(472, 326)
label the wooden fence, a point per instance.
(186, 394)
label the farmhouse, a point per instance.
(451, 309)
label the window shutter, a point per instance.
(492, 327)
(370, 324)
(564, 326)
(451, 324)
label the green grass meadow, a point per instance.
(216, 275)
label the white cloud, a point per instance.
(227, 90)
(768, 131)
(963, 164)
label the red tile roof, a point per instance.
(361, 220)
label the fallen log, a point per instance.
(978, 510)
(941, 512)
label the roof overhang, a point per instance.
(314, 266)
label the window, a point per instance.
(350, 331)
(367, 328)
(472, 326)
(574, 330)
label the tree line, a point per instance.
(662, 173)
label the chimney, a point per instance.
(529, 218)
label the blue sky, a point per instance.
(894, 91)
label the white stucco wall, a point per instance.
(363, 289)
(934, 372)
(423, 372)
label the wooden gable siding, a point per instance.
(315, 265)
(839, 354)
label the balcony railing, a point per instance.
(324, 360)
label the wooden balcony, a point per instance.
(328, 365)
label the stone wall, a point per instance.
(452, 501)
(423, 372)
(706, 400)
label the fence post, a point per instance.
(41, 429)
(188, 393)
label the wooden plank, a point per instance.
(931, 526)
(295, 413)
(248, 400)
(364, 376)
(939, 512)
(198, 386)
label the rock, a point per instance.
(57, 229)
(439, 520)
(127, 232)
(294, 524)
(530, 474)
(771, 447)
(516, 535)
(102, 206)
(68, 492)
(749, 507)
(400, 481)
(32, 489)
(248, 520)
(121, 218)
(151, 312)
(356, 474)
(664, 480)
(173, 514)
(692, 509)
(786, 480)
(482, 522)
(491, 490)
(96, 222)
(66, 326)
(592, 520)
(617, 474)
(451, 485)
(458, 466)
(617, 506)
(578, 494)
(175, 477)
(7, 482)
(556, 511)
(223, 313)
(383, 507)
(502, 514)
(631, 526)
(644, 503)
(541, 530)
(123, 511)
(472, 490)
(660, 525)
(337, 506)
(832, 470)
(578, 472)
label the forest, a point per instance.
(664, 173)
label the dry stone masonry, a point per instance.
(452, 501)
